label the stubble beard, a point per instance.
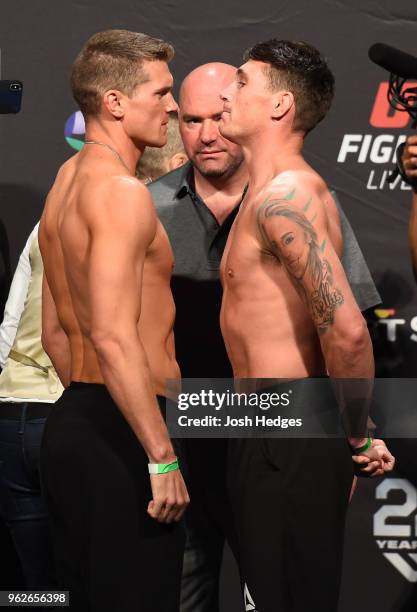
(226, 171)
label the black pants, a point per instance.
(289, 500)
(111, 555)
(22, 506)
(208, 523)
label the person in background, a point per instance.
(5, 272)
(409, 160)
(29, 386)
(156, 162)
(406, 448)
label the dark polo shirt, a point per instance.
(198, 242)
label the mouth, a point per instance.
(210, 153)
(293, 262)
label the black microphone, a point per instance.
(395, 61)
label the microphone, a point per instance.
(401, 96)
(395, 61)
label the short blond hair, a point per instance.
(113, 59)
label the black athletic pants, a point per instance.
(289, 501)
(111, 555)
(208, 523)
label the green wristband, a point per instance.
(364, 448)
(163, 468)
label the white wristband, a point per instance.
(163, 468)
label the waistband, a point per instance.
(13, 411)
(76, 384)
(90, 386)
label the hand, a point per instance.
(169, 497)
(409, 157)
(376, 461)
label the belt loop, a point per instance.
(23, 418)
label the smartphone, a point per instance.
(10, 96)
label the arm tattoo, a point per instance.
(297, 248)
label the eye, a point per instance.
(163, 92)
(288, 238)
(240, 84)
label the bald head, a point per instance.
(207, 80)
(200, 112)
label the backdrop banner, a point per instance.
(353, 149)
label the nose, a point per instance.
(225, 95)
(172, 105)
(209, 131)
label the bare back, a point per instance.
(81, 232)
(267, 326)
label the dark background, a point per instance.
(40, 39)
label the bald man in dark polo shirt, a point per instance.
(197, 205)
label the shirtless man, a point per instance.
(108, 264)
(288, 312)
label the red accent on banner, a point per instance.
(382, 115)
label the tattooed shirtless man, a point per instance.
(288, 312)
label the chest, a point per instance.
(160, 256)
(244, 252)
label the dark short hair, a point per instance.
(113, 60)
(301, 69)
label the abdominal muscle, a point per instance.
(155, 330)
(270, 338)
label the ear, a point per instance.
(114, 102)
(177, 160)
(283, 102)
